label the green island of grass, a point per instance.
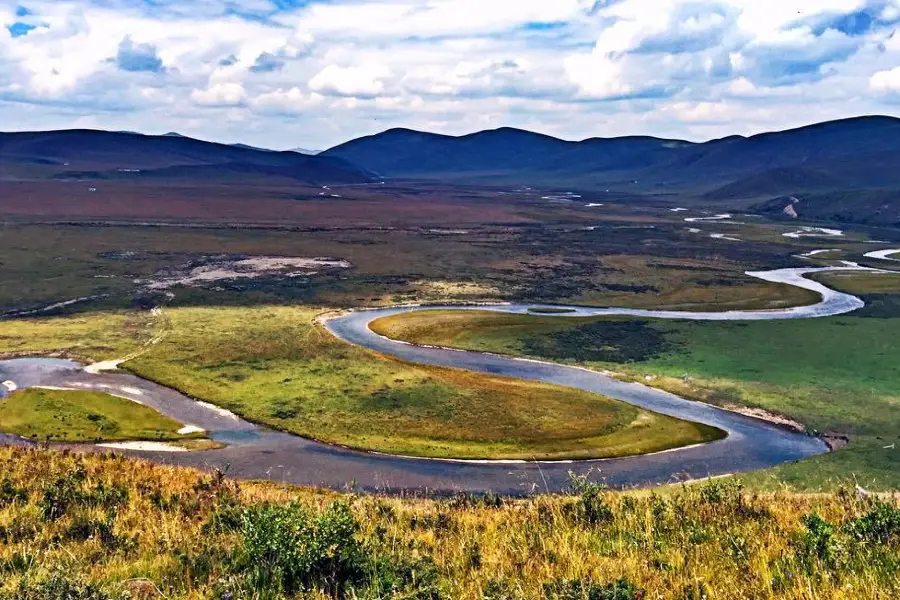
(274, 366)
(81, 416)
(838, 375)
(288, 373)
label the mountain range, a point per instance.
(90, 154)
(839, 170)
(828, 165)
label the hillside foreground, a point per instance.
(105, 527)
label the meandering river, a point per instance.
(254, 452)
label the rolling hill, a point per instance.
(89, 154)
(849, 165)
(855, 149)
(868, 206)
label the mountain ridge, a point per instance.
(107, 154)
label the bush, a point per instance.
(581, 589)
(401, 577)
(10, 494)
(818, 542)
(285, 549)
(56, 587)
(84, 528)
(501, 589)
(465, 501)
(881, 525)
(728, 492)
(68, 491)
(591, 506)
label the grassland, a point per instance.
(614, 265)
(82, 416)
(834, 375)
(273, 365)
(90, 336)
(110, 528)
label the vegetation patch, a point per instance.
(291, 374)
(88, 337)
(274, 366)
(837, 375)
(80, 527)
(79, 416)
(45, 265)
(551, 311)
(601, 341)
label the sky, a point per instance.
(314, 73)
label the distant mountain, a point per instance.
(774, 181)
(306, 151)
(852, 150)
(107, 155)
(249, 147)
(868, 207)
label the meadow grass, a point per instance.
(836, 375)
(861, 283)
(104, 527)
(613, 266)
(87, 337)
(81, 416)
(666, 283)
(274, 366)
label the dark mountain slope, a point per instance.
(822, 145)
(532, 158)
(775, 181)
(404, 152)
(879, 207)
(107, 153)
(505, 153)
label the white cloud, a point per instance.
(886, 81)
(403, 18)
(286, 102)
(341, 68)
(364, 81)
(597, 75)
(220, 94)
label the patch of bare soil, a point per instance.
(836, 441)
(768, 416)
(214, 269)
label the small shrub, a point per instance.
(283, 548)
(56, 587)
(591, 506)
(473, 555)
(722, 492)
(581, 589)
(488, 500)
(10, 494)
(84, 528)
(19, 562)
(501, 589)
(817, 543)
(880, 525)
(401, 577)
(695, 592)
(107, 497)
(62, 494)
(198, 566)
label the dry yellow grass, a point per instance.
(181, 533)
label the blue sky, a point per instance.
(313, 73)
